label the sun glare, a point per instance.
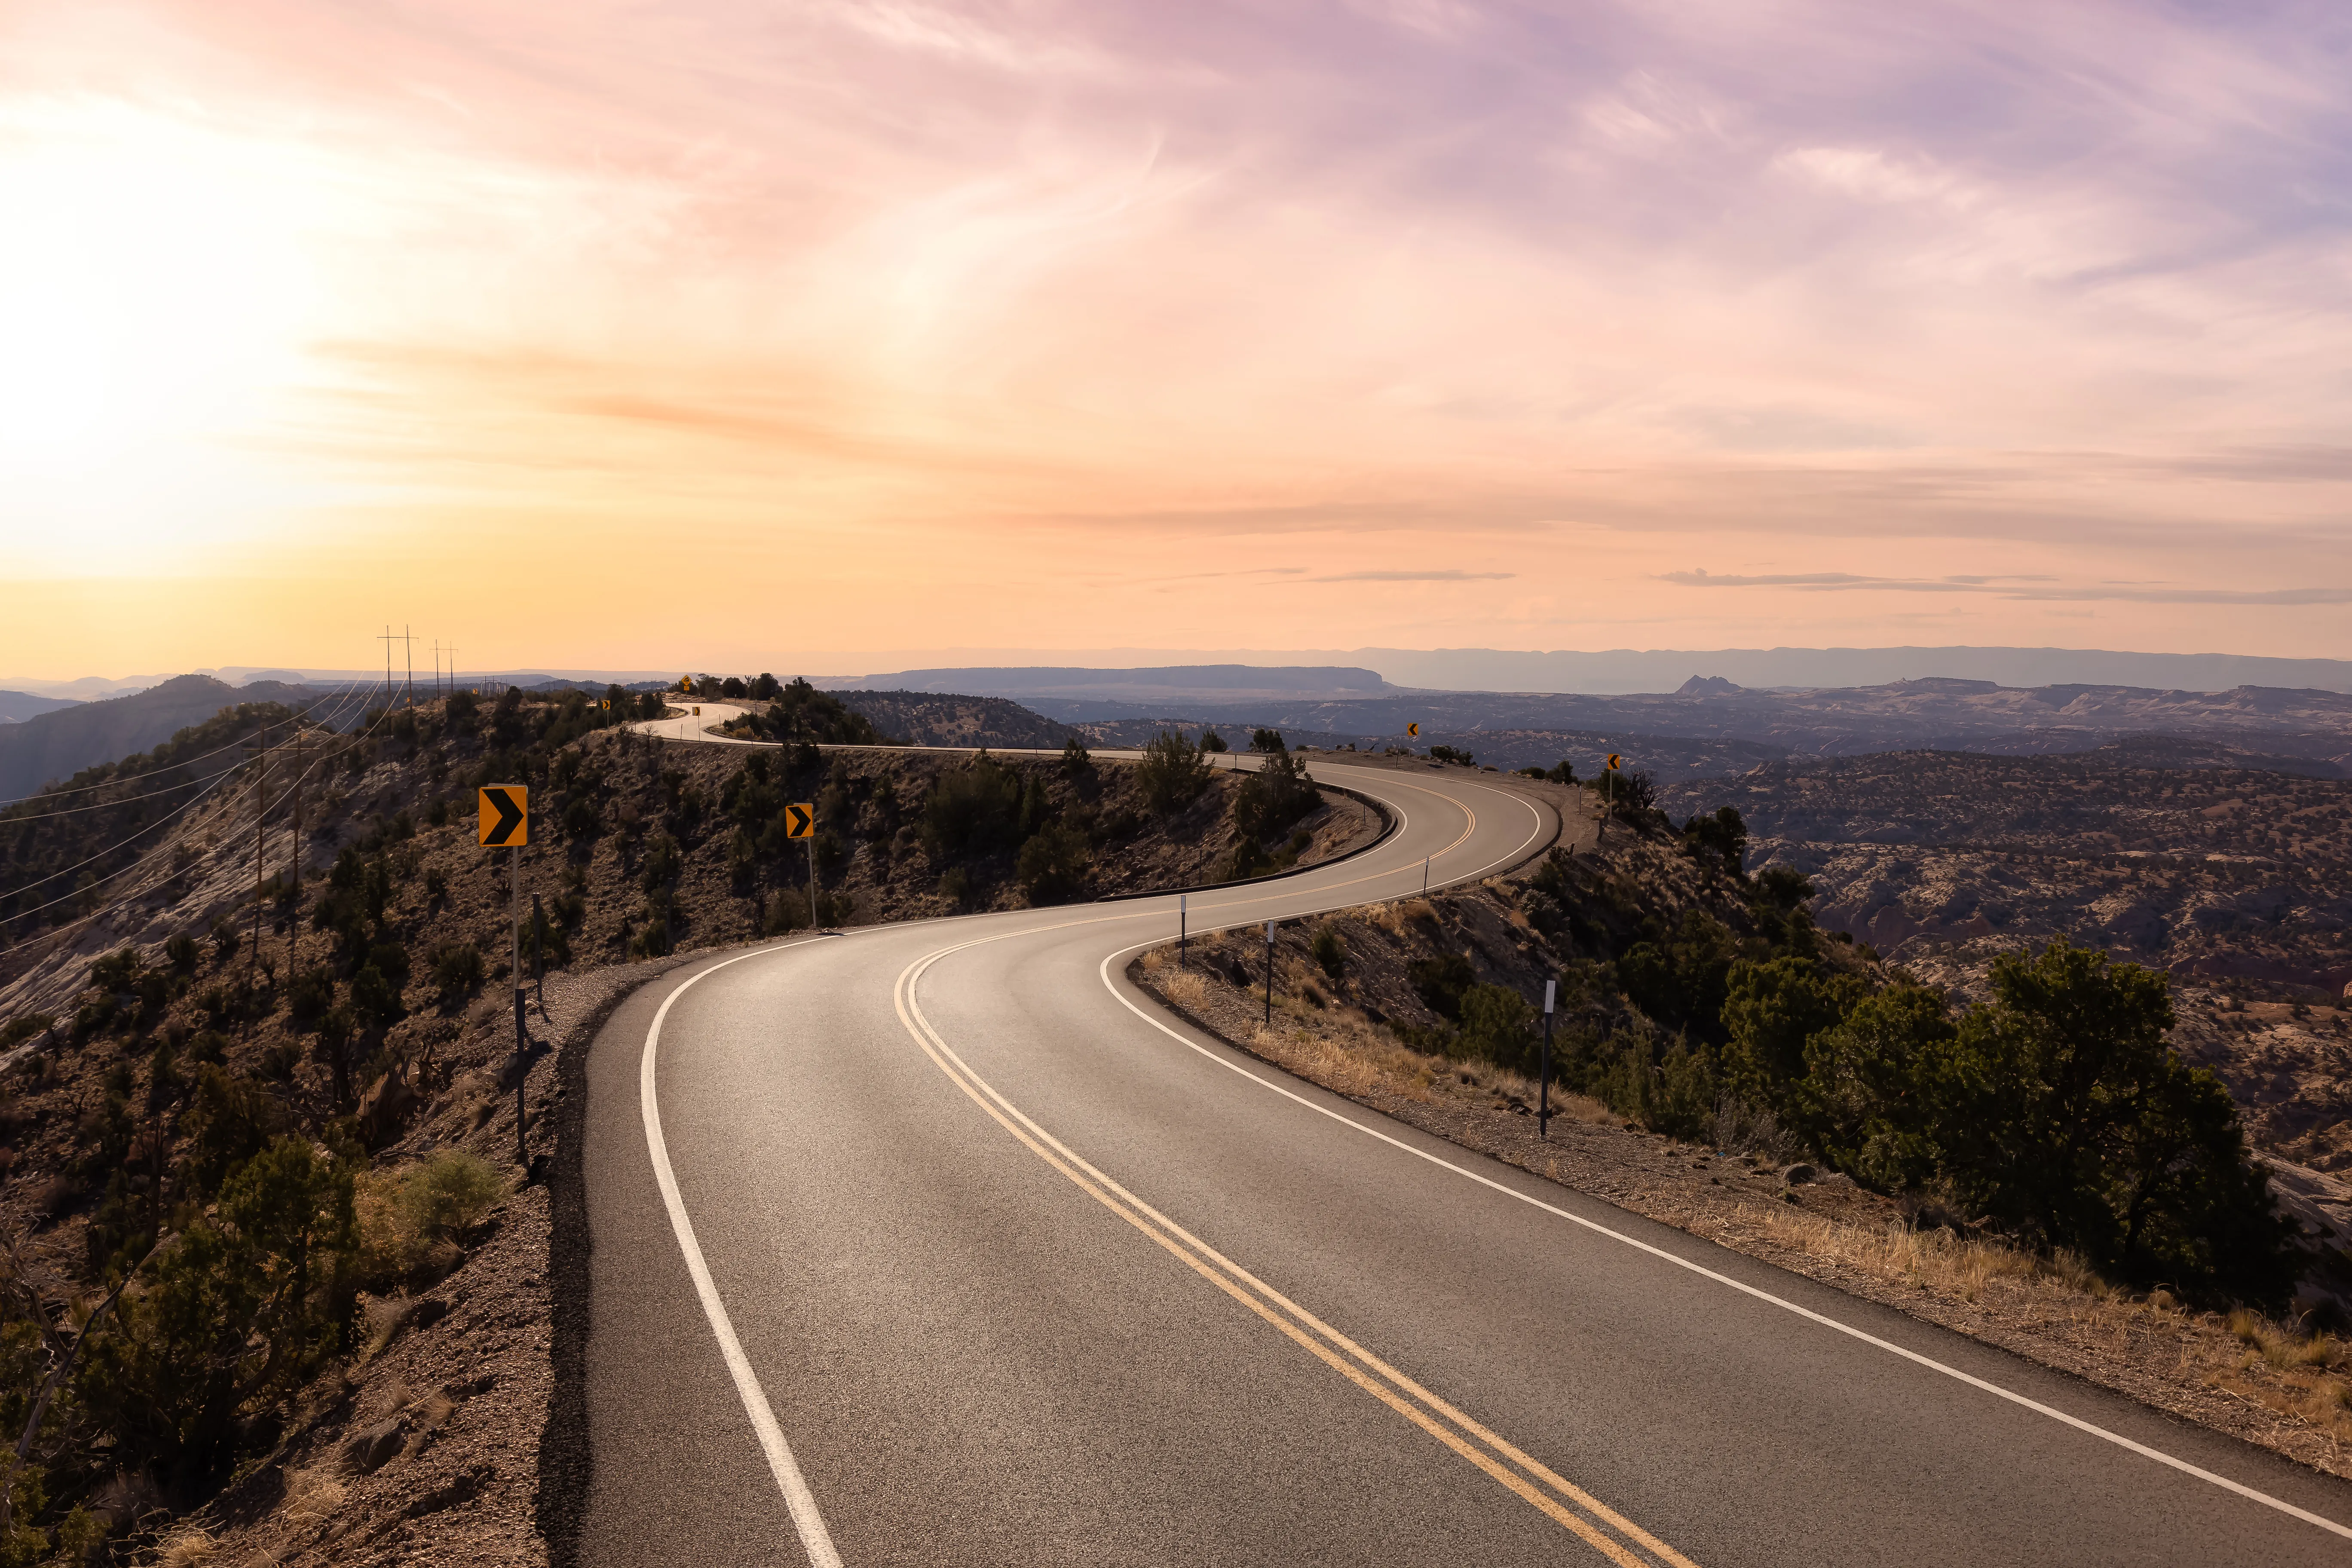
(153, 294)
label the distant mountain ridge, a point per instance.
(15, 707)
(54, 746)
(1935, 714)
(1073, 693)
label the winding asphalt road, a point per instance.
(935, 1242)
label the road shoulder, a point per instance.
(2188, 1365)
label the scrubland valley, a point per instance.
(2232, 880)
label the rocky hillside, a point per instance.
(193, 1103)
(934, 719)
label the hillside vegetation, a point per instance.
(281, 1152)
(1705, 1003)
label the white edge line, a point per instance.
(798, 1499)
(2076, 1422)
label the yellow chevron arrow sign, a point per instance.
(504, 815)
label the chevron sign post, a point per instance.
(800, 822)
(504, 824)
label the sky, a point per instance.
(703, 333)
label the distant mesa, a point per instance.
(284, 676)
(1709, 686)
(1071, 695)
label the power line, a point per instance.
(110, 804)
(143, 859)
(118, 844)
(140, 833)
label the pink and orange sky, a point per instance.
(701, 334)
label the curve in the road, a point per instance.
(1347, 1229)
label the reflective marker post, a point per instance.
(1180, 930)
(522, 1036)
(1269, 975)
(1543, 1081)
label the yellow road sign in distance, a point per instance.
(697, 709)
(504, 815)
(1613, 759)
(1413, 730)
(800, 820)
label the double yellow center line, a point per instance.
(1574, 1509)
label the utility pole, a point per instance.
(453, 667)
(1543, 1084)
(1269, 975)
(386, 640)
(409, 646)
(260, 783)
(294, 856)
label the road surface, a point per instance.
(935, 1244)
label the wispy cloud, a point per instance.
(2023, 589)
(929, 312)
(1438, 576)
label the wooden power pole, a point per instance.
(260, 799)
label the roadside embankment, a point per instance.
(1352, 1013)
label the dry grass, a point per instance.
(1336, 1046)
(1185, 988)
(191, 1548)
(1353, 1066)
(311, 1498)
(1934, 1260)
(2266, 1362)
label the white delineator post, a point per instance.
(1269, 975)
(1543, 1080)
(514, 973)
